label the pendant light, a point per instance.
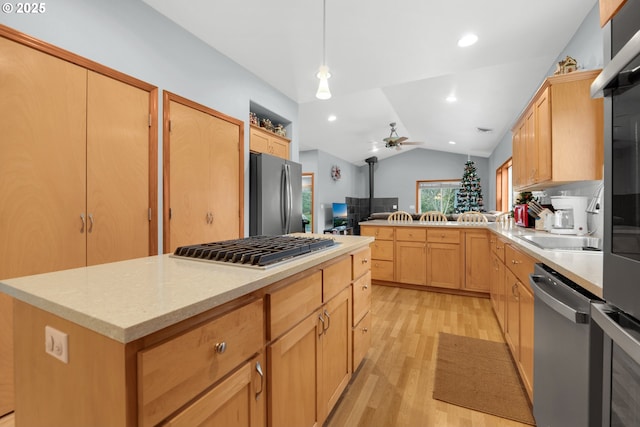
(323, 74)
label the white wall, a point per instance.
(131, 37)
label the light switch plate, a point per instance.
(56, 344)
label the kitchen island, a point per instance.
(158, 339)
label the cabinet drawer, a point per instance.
(411, 234)
(361, 340)
(382, 270)
(335, 278)
(361, 263)
(361, 297)
(443, 236)
(382, 249)
(520, 264)
(289, 305)
(380, 233)
(174, 372)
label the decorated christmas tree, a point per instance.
(469, 196)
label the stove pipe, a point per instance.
(371, 161)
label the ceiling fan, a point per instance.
(395, 141)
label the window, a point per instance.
(437, 195)
(307, 201)
(504, 187)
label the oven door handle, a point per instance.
(627, 54)
(618, 334)
(545, 293)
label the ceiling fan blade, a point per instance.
(401, 140)
(412, 143)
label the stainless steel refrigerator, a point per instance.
(275, 196)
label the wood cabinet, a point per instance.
(477, 260)
(311, 363)
(77, 181)
(444, 258)
(173, 373)
(410, 256)
(608, 8)
(497, 289)
(264, 141)
(559, 137)
(361, 312)
(382, 251)
(519, 317)
(203, 160)
(238, 401)
(6, 355)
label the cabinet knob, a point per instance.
(365, 287)
(365, 330)
(220, 347)
(513, 261)
(365, 260)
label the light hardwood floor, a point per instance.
(394, 385)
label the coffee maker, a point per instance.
(570, 215)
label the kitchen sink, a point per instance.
(566, 243)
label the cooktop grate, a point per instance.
(259, 251)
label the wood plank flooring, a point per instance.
(394, 385)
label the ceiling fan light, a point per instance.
(467, 40)
(323, 88)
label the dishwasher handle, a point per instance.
(545, 292)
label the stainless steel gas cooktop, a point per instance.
(255, 251)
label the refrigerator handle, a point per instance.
(283, 199)
(289, 198)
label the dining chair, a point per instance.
(400, 216)
(433, 216)
(472, 217)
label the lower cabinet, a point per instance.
(497, 288)
(410, 263)
(238, 401)
(477, 260)
(295, 375)
(444, 265)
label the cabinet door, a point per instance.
(117, 184)
(224, 176)
(531, 158)
(519, 155)
(336, 350)
(6, 355)
(238, 401)
(542, 135)
(526, 337)
(512, 326)
(188, 176)
(608, 9)
(278, 148)
(444, 265)
(477, 261)
(295, 365)
(42, 162)
(259, 142)
(497, 289)
(411, 263)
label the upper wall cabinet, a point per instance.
(559, 137)
(263, 141)
(608, 8)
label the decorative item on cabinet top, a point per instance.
(266, 124)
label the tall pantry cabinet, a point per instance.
(77, 168)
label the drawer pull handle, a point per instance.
(365, 287)
(513, 261)
(259, 370)
(83, 223)
(326, 313)
(365, 260)
(90, 223)
(365, 330)
(220, 347)
(322, 320)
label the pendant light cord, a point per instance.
(324, 32)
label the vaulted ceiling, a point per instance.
(392, 62)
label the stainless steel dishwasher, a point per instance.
(567, 349)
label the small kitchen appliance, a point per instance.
(570, 215)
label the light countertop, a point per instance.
(583, 267)
(128, 300)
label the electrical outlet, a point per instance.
(56, 344)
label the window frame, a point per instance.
(418, 182)
(504, 185)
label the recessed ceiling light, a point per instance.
(467, 40)
(451, 98)
(452, 142)
(332, 118)
(374, 149)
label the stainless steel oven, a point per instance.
(619, 83)
(621, 366)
